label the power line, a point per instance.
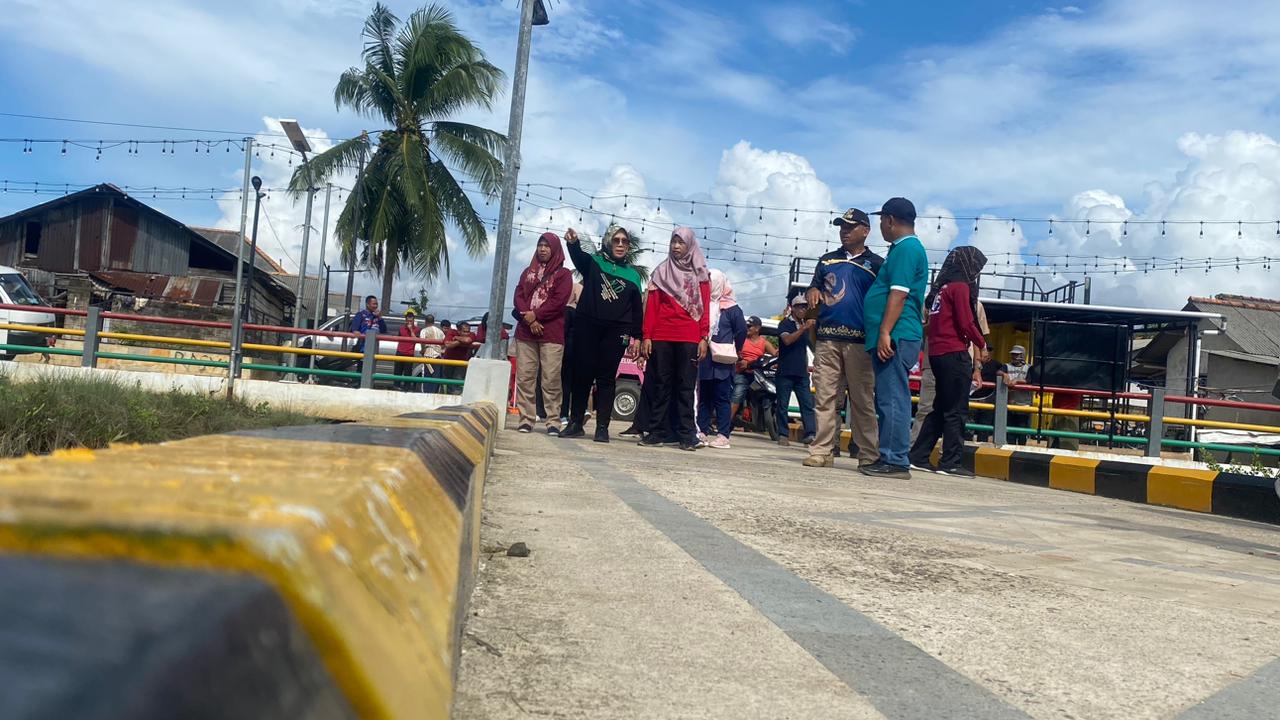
(151, 127)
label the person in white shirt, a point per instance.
(431, 331)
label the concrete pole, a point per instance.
(355, 241)
(236, 329)
(302, 262)
(510, 176)
(324, 239)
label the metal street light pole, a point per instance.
(253, 257)
(298, 139)
(233, 367)
(321, 300)
(510, 175)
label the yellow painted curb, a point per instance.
(1181, 488)
(366, 543)
(992, 462)
(1073, 473)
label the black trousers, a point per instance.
(566, 368)
(953, 373)
(402, 369)
(597, 350)
(675, 372)
(645, 410)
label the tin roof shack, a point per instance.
(1237, 362)
(133, 257)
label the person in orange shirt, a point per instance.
(753, 349)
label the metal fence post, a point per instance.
(1000, 430)
(370, 350)
(92, 326)
(1155, 427)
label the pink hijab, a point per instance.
(722, 297)
(681, 278)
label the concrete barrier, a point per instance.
(301, 572)
(1181, 485)
(325, 401)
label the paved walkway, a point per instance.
(739, 584)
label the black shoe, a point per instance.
(684, 445)
(525, 428)
(882, 469)
(650, 440)
(553, 431)
(602, 435)
(807, 440)
(573, 430)
(630, 433)
(956, 471)
(923, 467)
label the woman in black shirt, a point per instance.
(610, 313)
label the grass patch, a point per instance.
(53, 414)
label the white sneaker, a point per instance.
(719, 442)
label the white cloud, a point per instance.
(1229, 178)
(805, 28)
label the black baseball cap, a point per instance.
(852, 216)
(753, 320)
(900, 208)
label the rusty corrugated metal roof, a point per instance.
(202, 291)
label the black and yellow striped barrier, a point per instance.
(1209, 491)
(304, 572)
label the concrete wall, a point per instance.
(333, 403)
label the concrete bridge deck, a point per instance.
(738, 584)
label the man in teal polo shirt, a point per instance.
(893, 313)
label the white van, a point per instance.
(14, 290)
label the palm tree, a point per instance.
(415, 76)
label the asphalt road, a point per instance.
(739, 584)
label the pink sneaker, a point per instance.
(720, 443)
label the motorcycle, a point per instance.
(759, 411)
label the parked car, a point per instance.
(342, 323)
(14, 290)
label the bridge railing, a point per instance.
(353, 367)
(1152, 441)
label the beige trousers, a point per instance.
(837, 366)
(530, 358)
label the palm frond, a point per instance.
(474, 150)
(457, 207)
(474, 83)
(344, 156)
(379, 30)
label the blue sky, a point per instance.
(1111, 110)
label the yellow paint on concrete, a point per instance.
(1073, 473)
(362, 542)
(1181, 488)
(992, 462)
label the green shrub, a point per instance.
(52, 414)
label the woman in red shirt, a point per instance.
(676, 326)
(951, 328)
(541, 294)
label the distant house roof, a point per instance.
(1253, 324)
(226, 239)
(198, 235)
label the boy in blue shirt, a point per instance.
(793, 370)
(894, 316)
(840, 283)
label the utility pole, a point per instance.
(237, 332)
(321, 284)
(355, 238)
(510, 175)
(302, 262)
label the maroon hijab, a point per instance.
(539, 276)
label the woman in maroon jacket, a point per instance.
(541, 296)
(676, 327)
(951, 328)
